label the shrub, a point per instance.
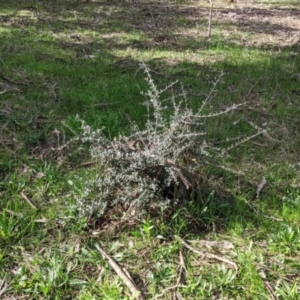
(152, 167)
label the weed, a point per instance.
(152, 167)
(286, 240)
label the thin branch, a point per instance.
(263, 131)
(27, 200)
(181, 261)
(261, 186)
(212, 115)
(128, 282)
(209, 97)
(183, 179)
(208, 255)
(6, 210)
(3, 286)
(180, 278)
(267, 284)
(242, 141)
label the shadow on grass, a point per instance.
(149, 19)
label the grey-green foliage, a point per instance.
(151, 167)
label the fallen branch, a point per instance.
(136, 293)
(180, 278)
(267, 284)
(205, 254)
(261, 186)
(3, 286)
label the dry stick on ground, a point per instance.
(3, 92)
(3, 286)
(129, 283)
(267, 284)
(261, 186)
(6, 210)
(87, 163)
(27, 200)
(180, 278)
(208, 255)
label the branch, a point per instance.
(128, 282)
(208, 255)
(27, 200)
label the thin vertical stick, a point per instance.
(210, 18)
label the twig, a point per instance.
(274, 218)
(264, 132)
(100, 275)
(181, 261)
(53, 92)
(180, 278)
(268, 286)
(3, 286)
(43, 220)
(128, 282)
(100, 104)
(87, 164)
(27, 200)
(257, 111)
(177, 295)
(153, 20)
(13, 213)
(261, 186)
(183, 179)
(210, 95)
(168, 289)
(258, 144)
(208, 255)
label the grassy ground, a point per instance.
(60, 59)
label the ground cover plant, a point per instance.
(237, 236)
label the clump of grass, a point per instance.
(154, 167)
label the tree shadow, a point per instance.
(158, 25)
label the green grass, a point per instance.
(62, 59)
